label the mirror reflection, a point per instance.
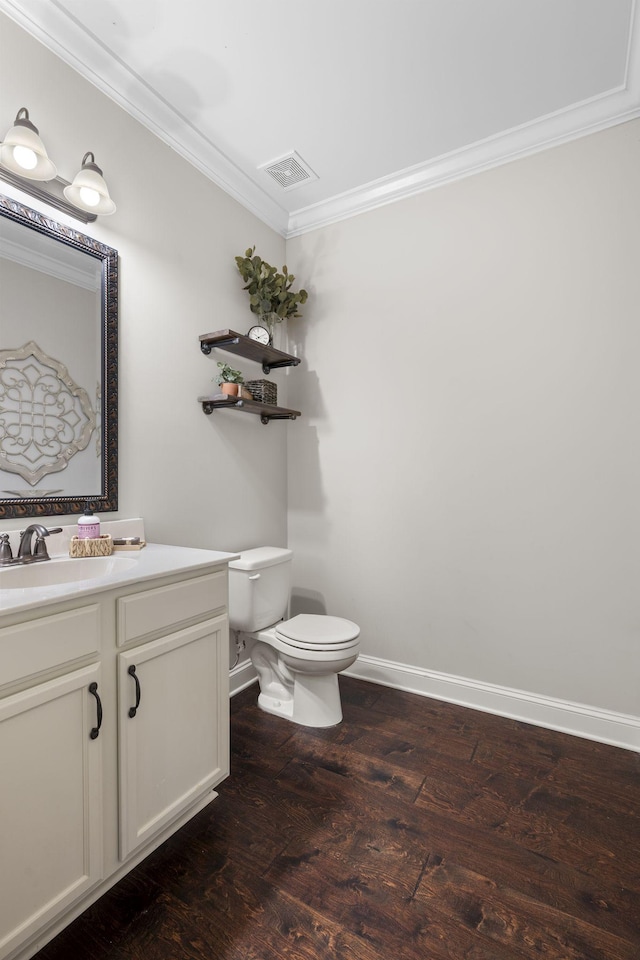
(58, 367)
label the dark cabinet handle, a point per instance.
(93, 688)
(132, 673)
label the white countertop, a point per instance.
(153, 561)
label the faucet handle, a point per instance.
(6, 555)
(40, 551)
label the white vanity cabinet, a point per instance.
(50, 769)
(172, 735)
(50, 803)
(100, 763)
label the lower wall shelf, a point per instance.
(266, 411)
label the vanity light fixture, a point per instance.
(25, 164)
(24, 153)
(88, 190)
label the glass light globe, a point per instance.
(25, 157)
(89, 196)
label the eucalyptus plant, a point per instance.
(228, 374)
(270, 293)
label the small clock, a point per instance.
(260, 334)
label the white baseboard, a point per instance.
(578, 719)
(241, 676)
(592, 723)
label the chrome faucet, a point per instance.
(25, 553)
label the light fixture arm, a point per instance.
(23, 121)
(91, 164)
(51, 192)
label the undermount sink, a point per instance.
(49, 573)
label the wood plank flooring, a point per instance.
(415, 830)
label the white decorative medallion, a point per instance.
(45, 417)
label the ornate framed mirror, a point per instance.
(58, 367)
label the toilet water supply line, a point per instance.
(240, 645)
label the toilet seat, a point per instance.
(317, 632)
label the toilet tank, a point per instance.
(259, 585)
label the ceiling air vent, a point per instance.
(290, 171)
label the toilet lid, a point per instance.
(311, 630)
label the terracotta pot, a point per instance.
(231, 389)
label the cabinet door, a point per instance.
(50, 802)
(173, 727)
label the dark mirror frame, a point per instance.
(107, 500)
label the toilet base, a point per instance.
(278, 707)
(299, 686)
(315, 701)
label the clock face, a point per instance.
(261, 334)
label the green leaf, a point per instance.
(269, 290)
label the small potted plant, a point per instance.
(230, 380)
(270, 294)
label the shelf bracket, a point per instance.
(285, 416)
(208, 347)
(268, 367)
(209, 406)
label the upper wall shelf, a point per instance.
(233, 342)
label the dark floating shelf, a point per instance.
(242, 346)
(266, 411)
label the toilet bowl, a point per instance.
(297, 660)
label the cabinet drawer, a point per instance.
(31, 648)
(143, 614)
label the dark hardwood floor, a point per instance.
(414, 830)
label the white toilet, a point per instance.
(297, 660)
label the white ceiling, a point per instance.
(381, 98)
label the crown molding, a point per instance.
(618, 105)
(524, 141)
(34, 258)
(85, 54)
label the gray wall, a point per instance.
(465, 482)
